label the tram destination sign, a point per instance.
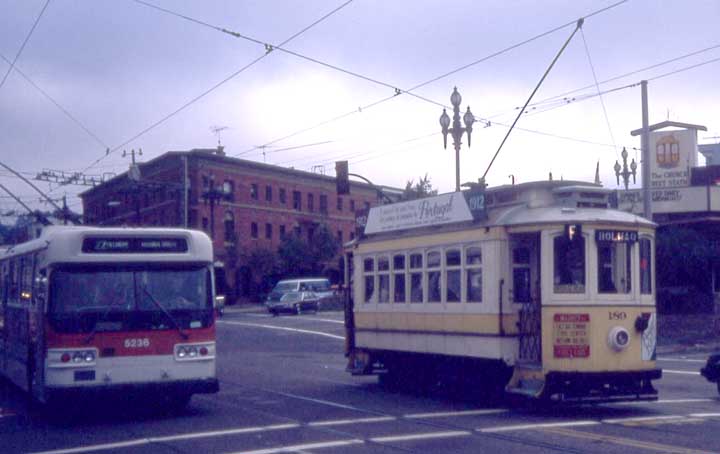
(616, 236)
(97, 245)
(430, 211)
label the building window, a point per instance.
(614, 267)
(297, 201)
(399, 278)
(254, 191)
(206, 182)
(367, 205)
(569, 264)
(323, 204)
(473, 274)
(268, 193)
(253, 230)
(310, 234)
(645, 266)
(268, 231)
(352, 235)
(339, 204)
(205, 224)
(228, 187)
(229, 226)
(453, 281)
(311, 202)
(282, 195)
(297, 230)
(282, 231)
(340, 236)
(352, 205)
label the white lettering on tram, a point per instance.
(143, 342)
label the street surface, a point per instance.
(283, 388)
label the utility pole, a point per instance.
(645, 152)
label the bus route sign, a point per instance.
(571, 335)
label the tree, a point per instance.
(299, 257)
(418, 190)
(264, 265)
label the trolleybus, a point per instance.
(542, 287)
(86, 311)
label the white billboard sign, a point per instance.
(442, 209)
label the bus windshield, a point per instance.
(101, 298)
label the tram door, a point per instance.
(525, 272)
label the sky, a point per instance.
(361, 80)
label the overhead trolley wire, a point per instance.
(214, 87)
(22, 47)
(57, 104)
(597, 86)
(434, 79)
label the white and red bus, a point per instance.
(86, 311)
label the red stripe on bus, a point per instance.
(130, 343)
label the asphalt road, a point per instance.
(284, 389)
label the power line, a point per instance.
(597, 85)
(435, 79)
(687, 68)
(27, 38)
(214, 87)
(57, 104)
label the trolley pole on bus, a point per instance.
(457, 130)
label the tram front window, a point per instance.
(569, 264)
(93, 299)
(614, 267)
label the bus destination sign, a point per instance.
(616, 236)
(97, 245)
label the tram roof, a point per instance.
(67, 242)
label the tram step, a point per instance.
(528, 387)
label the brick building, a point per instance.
(242, 205)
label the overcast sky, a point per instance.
(125, 75)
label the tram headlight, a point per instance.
(618, 338)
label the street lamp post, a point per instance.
(457, 130)
(625, 173)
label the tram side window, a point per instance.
(369, 268)
(383, 264)
(473, 274)
(433, 277)
(569, 264)
(645, 266)
(399, 278)
(13, 281)
(416, 282)
(614, 260)
(452, 276)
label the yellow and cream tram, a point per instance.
(539, 286)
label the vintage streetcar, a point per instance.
(540, 288)
(87, 312)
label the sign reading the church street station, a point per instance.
(438, 210)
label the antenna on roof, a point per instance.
(217, 130)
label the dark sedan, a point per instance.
(293, 302)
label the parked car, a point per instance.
(711, 371)
(318, 285)
(294, 302)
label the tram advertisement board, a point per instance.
(571, 335)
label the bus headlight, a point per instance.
(619, 338)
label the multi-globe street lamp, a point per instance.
(457, 130)
(625, 173)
